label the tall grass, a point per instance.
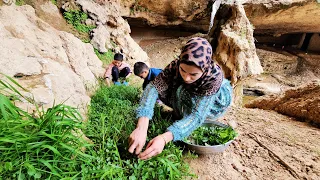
(77, 19)
(106, 58)
(46, 144)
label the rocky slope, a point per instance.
(111, 27)
(54, 65)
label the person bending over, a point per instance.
(143, 71)
(194, 86)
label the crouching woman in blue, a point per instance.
(194, 86)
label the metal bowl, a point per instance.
(209, 149)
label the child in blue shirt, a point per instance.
(194, 86)
(143, 71)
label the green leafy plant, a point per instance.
(112, 119)
(20, 2)
(106, 58)
(209, 136)
(47, 144)
(54, 2)
(77, 19)
(44, 144)
(113, 44)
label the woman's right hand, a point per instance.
(138, 137)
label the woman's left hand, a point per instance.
(154, 147)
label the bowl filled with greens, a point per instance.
(210, 137)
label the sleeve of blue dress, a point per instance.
(182, 128)
(147, 102)
(207, 106)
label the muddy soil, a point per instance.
(269, 145)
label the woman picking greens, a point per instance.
(194, 86)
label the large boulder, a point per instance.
(302, 103)
(111, 27)
(54, 65)
(232, 39)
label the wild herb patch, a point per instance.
(111, 121)
(47, 144)
(209, 136)
(106, 57)
(44, 144)
(54, 2)
(20, 2)
(77, 19)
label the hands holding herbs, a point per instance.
(137, 140)
(154, 147)
(138, 137)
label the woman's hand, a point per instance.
(137, 138)
(156, 145)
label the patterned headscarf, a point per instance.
(199, 52)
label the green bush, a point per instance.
(54, 2)
(44, 144)
(77, 19)
(20, 2)
(106, 58)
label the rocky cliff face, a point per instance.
(271, 17)
(267, 16)
(54, 65)
(111, 27)
(189, 14)
(287, 16)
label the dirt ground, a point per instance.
(269, 145)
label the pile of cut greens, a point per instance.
(210, 136)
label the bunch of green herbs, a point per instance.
(211, 135)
